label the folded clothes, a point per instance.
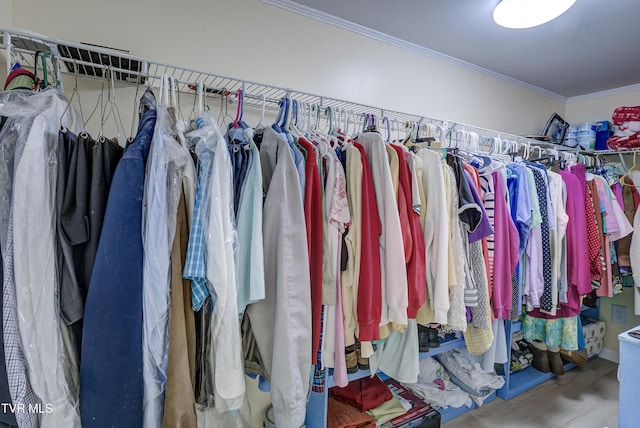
(626, 114)
(466, 372)
(340, 415)
(434, 386)
(364, 394)
(387, 411)
(624, 142)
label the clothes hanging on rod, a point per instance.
(111, 376)
(40, 342)
(336, 208)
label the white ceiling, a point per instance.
(591, 48)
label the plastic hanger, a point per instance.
(200, 98)
(262, 109)
(396, 122)
(409, 127)
(347, 126)
(386, 119)
(345, 123)
(239, 109)
(329, 112)
(283, 103)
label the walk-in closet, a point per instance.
(304, 213)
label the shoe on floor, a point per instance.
(434, 340)
(363, 363)
(351, 359)
(555, 361)
(423, 338)
(577, 357)
(540, 356)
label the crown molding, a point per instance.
(599, 94)
(309, 12)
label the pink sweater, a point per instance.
(506, 252)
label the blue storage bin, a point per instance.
(604, 130)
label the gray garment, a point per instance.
(481, 311)
(281, 323)
(14, 130)
(72, 207)
(470, 285)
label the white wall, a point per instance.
(256, 41)
(600, 108)
(6, 13)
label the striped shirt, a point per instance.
(195, 268)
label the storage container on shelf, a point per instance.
(587, 135)
(604, 130)
(571, 136)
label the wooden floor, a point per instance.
(583, 398)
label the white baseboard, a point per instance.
(610, 354)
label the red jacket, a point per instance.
(414, 248)
(370, 279)
(313, 221)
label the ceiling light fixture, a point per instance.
(529, 13)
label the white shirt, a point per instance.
(220, 241)
(436, 234)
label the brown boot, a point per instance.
(351, 359)
(577, 357)
(555, 361)
(363, 363)
(540, 356)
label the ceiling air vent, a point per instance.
(89, 54)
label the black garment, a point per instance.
(85, 172)
(107, 156)
(204, 386)
(72, 204)
(468, 211)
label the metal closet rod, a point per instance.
(22, 42)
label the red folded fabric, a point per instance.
(340, 415)
(626, 114)
(630, 142)
(364, 394)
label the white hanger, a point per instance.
(264, 105)
(474, 141)
(200, 92)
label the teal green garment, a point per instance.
(387, 411)
(562, 332)
(536, 214)
(249, 253)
